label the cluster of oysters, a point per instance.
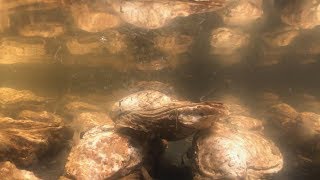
(148, 36)
(126, 139)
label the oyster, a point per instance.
(282, 116)
(112, 41)
(20, 50)
(153, 65)
(45, 30)
(9, 171)
(85, 121)
(223, 152)
(226, 41)
(25, 141)
(244, 123)
(102, 154)
(157, 14)
(265, 99)
(13, 5)
(12, 99)
(242, 13)
(304, 14)
(307, 102)
(73, 108)
(281, 37)
(43, 116)
(308, 127)
(154, 112)
(173, 44)
(88, 20)
(152, 85)
(235, 105)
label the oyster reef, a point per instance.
(159, 89)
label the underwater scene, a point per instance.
(159, 89)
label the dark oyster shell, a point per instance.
(153, 112)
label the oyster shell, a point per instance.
(156, 14)
(304, 14)
(73, 108)
(242, 13)
(112, 42)
(154, 112)
(308, 127)
(12, 99)
(152, 85)
(22, 50)
(103, 153)
(25, 141)
(85, 121)
(280, 37)
(9, 171)
(226, 41)
(43, 116)
(13, 5)
(244, 123)
(173, 44)
(225, 153)
(93, 21)
(157, 64)
(282, 116)
(45, 30)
